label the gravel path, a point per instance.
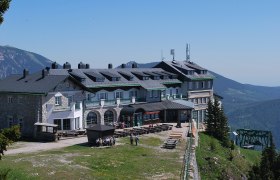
(29, 147)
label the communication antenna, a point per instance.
(162, 58)
(172, 52)
(188, 52)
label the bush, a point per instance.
(4, 173)
(213, 145)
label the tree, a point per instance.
(269, 167)
(7, 137)
(4, 6)
(216, 122)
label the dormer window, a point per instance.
(119, 95)
(58, 101)
(10, 99)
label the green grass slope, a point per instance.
(123, 161)
(217, 162)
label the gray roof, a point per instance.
(123, 81)
(180, 66)
(33, 83)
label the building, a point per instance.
(196, 86)
(75, 99)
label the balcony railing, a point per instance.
(172, 97)
(73, 106)
(116, 102)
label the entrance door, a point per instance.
(138, 120)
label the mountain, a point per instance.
(13, 61)
(236, 94)
(262, 115)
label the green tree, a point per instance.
(7, 137)
(269, 167)
(4, 6)
(216, 122)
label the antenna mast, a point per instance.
(172, 52)
(188, 52)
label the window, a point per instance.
(58, 100)
(109, 118)
(202, 85)
(151, 94)
(156, 116)
(119, 94)
(77, 123)
(103, 95)
(190, 85)
(133, 94)
(209, 84)
(20, 99)
(91, 118)
(170, 92)
(204, 100)
(70, 100)
(58, 122)
(177, 91)
(10, 121)
(20, 123)
(10, 99)
(66, 124)
(155, 93)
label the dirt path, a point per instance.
(29, 147)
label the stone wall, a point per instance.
(25, 107)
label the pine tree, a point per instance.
(216, 122)
(210, 119)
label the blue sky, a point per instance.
(238, 39)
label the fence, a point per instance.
(187, 159)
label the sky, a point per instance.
(235, 38)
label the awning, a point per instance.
(127, 111)
(45, 124)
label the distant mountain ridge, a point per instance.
(14, 60)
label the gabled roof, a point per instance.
(86, 79)
(33, 83)
(182, 67)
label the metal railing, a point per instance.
(187, 159)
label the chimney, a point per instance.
(67, 65)
(134, 65)
(54, 65)
(81, 65)
(87, 66)
(44, 73)
(110, 66)
(25, 73)
(123, 66)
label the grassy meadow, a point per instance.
(123, 161)
(217, 162)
